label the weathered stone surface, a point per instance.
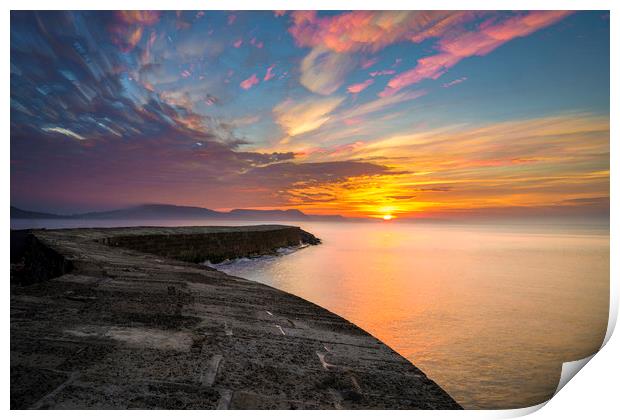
(110, 327)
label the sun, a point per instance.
(388, 217)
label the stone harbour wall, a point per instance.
(214, 246)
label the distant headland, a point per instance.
(169, 211)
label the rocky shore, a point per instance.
(125, 318)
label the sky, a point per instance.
(411, 114)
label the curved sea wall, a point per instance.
(121, 318)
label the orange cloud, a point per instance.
(249, 82)
(139, 17)
(548, 162)
(301, 117)
(126, 32)
(125, 37)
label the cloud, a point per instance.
(370, 30)
(100, 121)
(541, 165)
(323, 71)
(63, 131)
(379, 105)
(382, 73)
(304, 116)
(134, 144)
(140, 17)
(374, 30)
(249, 82)
(269, 74)
(358, 87)
(367, 63)
(247, 120)
(256, 43)
(128, 26)
(402, 197)
(431, 67)
(457, 45)
(454, 82)
(266, 158)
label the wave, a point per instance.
(280, 252)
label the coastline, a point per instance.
(114, 318)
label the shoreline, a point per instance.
(124, 318)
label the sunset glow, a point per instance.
(427, 114)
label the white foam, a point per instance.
(252, 260)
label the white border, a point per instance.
(593, 394)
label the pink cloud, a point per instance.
(371, 30)
(249, 82)
(232, 19)
(456, 46)
(352, 121)
(269, 75)
(428, 68)
(278, 13)
(238, 43)
(257, 44)
(368, 63)
(358, 87)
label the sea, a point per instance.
(488, 311)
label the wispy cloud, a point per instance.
(382, 72)
(537, 164)
(323, 71)
(370, 30)
(454, 46)
(454, 82)
(368, 62)
(64, 131)
(304, 116)
(380, 104)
